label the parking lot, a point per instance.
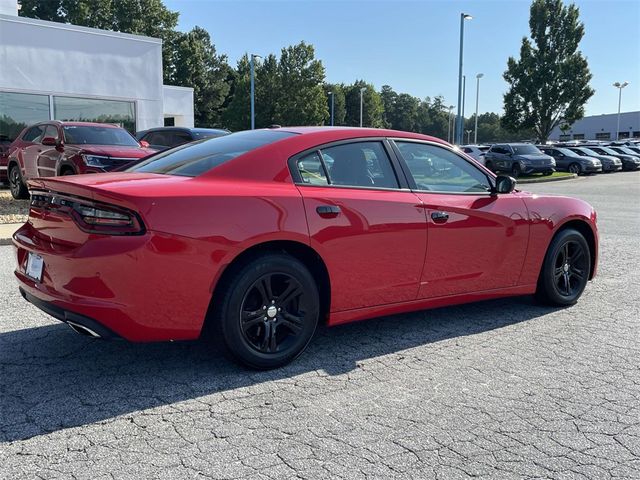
(504, 389)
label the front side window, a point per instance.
(437, 169)
(499, 149)
(34, 134)
(160, 138)
(96, 135)
(51, 131)
(526, 150)
(193, 159)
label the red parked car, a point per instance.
(53, 148)
(253, 238)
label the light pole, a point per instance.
(464, 99)
(332, 95)
(619, 86)
(449, 122)
(475, 135)
(463, 17)
(468, 135)
(253, 90)
(361, 94)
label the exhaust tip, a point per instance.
(82, 330)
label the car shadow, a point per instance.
(53, 378)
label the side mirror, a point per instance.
(144, 144)
(505, 184)
(50, 142)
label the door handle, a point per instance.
(440, 217)
(328, 211)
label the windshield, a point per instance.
(585, 152)
(526, 150)
(96, 135)
(201, 156)
(566, 151)
(627, 150)
(609, 151)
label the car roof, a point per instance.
(77, 124)
(252, 164)
(186, 129)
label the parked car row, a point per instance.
(579, 158)
(53, 148)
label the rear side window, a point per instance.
(158, 138)
(193, 159)
(311, 169)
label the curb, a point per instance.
(6, 232)
(550, 179)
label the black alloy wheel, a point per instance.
(566, 269)
(267, 311)
(575, 168)
(516, 170)
(17, 187)
(272, 313)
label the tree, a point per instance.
(141, 17)
(267, 91)
(302, 98)
(549, 85)
(237, 114)
(197, 65)
(388, 97)
(372, 105)
(339, 107)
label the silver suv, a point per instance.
(518, 158)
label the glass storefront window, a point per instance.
(19, 110)
(95, 110)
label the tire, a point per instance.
(516, 170)
(575, 168)
(67, 171)
(565, 270)
(18, 189)
(267, 312)
(546, 174)
(489, 165)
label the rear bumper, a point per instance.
(144, 288)
(80, 323)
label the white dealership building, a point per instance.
(56, 71)
(601, 127)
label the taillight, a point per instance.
(91, 217)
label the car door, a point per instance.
(31, 150)
(47, 160)
(477, 239)
(364, 221)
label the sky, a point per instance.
(413, 45)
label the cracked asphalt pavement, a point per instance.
(501, 389)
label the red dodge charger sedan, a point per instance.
(253, 238)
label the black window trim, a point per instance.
(412, 184)
(393, 159)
